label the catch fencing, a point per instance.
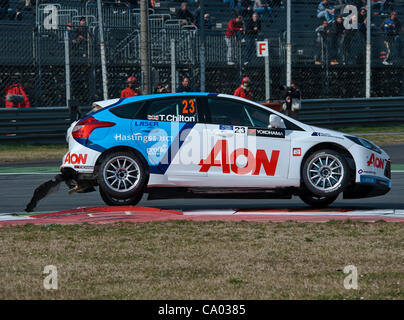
(56, 57)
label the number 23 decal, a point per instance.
(188, 106)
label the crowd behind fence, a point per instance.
(35, 55)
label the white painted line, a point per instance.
(11, 218)
(208, 212)
(355, 213)
(393, 213)
(30, 173)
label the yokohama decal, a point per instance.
(253, 165)
(76, 158)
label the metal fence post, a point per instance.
(368, 48)
(173, 71)
(102, 47)
(267, 75)
(288, 44)
(145, 46)
(67, 68)
(202, 44)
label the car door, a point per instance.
(172, 136)
(241, 149)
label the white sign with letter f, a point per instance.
(262, 49)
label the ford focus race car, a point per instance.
(215, 145)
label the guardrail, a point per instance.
(49, 125)
(331, 113)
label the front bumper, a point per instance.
(376, 187)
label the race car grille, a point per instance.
(387, 170)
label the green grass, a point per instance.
(203, 260)
(370, 129)
(30, 152)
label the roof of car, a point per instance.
(165, 95)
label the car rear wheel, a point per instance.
(120, 202)
(122, 175)
(317, 202)
(325, 173)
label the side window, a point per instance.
(228, 112)
(259, 117)
(182, 109)
(127, 111)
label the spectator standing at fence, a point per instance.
(131, 90)
(325, 11)
(185, 14)
(292, 103)
(5, 9)
(184, 86)
(207, 22)
(322, 33)
(245, 7)
(336, 37)
(82, 36)
(234, 30)
(262, 6)
(391, 28)
(251, 34)
(244, 91)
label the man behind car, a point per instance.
(131, 90)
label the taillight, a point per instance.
(83, 128)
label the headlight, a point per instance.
(365, 143)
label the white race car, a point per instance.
(205, 145)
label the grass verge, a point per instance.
(203, 260)
(28, 152)
(384, 139)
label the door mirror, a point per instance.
(276, 122)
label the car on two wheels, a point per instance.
(203, 145)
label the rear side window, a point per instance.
(183, 109)
(127, 111)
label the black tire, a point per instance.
(317, 202)
(120, 202)
(122, 175)
(325, 179)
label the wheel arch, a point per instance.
(331, 146)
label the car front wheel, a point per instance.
(325, 173)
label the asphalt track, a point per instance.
(16, 191)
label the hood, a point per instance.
(328, 132)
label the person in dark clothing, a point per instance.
(322, 32)
(185, 14)
(292, 101)
(336, 37)
(184, 86)
(81, 37)
(207, 22)
(391, 28)
(5, 9)
(362, 19)
(244, 7)
(253, 28)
